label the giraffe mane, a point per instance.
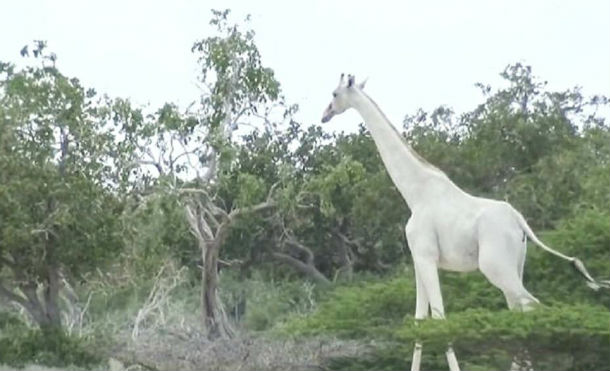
(404, 141)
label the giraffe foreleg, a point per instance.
(425, 252)
(428, 273)
(422, 309)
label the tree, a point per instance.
(58, 215)
(335, 203)
(194, 152)
(238, 87)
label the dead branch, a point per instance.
(74, 314)
(158, 297)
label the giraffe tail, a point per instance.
(577, 264)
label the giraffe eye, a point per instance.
(334, 95)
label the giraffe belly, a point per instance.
(459, 252)
(466, 261)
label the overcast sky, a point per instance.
(415, 53)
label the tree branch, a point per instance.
(308, 269)
(349, 241)
(309, 254)
(268, 204)
(251, 209)
(185, 153)
(359, 249)
(153, 163)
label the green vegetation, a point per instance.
(20, 345)
(172, 238)
(554, 335)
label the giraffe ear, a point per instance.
(350, 80)
(363, 83)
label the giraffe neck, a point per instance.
(410, 173)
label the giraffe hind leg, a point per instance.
(501, 260)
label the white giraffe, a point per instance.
(448, 228)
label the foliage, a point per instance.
(58, 215)
(356, 310)
(258, 303)
(381, 311)
(20, 345)
(579, 175)
(585, 235)
(157, 230)
(233, 63)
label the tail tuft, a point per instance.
(592, 283)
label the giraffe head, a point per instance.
(342, 97)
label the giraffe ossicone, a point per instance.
(448, 228)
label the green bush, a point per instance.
(20, 345)
(560, 336)
(584, 235)
(259, 304)
(264, 309)
(355, 310)
(555, 335)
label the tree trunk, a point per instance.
(43, 309)
(51, 298)
(210, 226)
(346, 257)
(52, 284)
(45, 312)
(214, 316)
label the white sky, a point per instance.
(415, 53)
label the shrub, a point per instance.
(260, 303)
(584, 235)
(555, 335)
(20, 345)
(354, 310)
